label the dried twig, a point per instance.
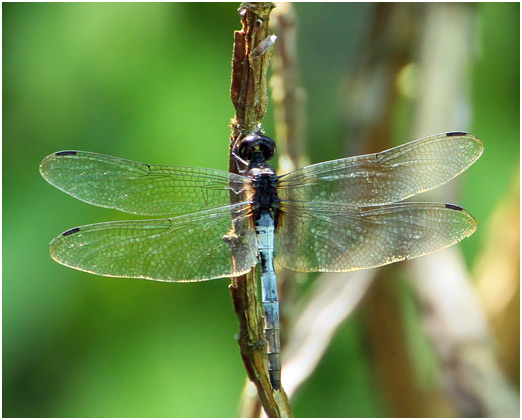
(248, 91)
(288, 96)
(455, 322)
(288, 103)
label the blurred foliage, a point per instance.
(150, 82)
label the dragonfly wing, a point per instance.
(386, 177)
(139, 188)
(326, 237)
(201, 246)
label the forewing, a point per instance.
(386, 177)
(200, 246)
(139, 188)
(339, 238)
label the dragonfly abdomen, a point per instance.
(265, 238)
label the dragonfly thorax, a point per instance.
(265, 190)
(257, 150)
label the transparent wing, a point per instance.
(386, 177)
(139, 188)
(323, 237)
(201, 246)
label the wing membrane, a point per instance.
(327, 237)
(200, 246)
(386, 177)
(139, 188)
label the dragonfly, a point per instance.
(335, 216)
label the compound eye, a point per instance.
(255, 143)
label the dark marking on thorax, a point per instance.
(265, 195)
(264, 181)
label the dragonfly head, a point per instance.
(256, 147)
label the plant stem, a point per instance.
(248, 92)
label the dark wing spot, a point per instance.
(454, 207)
(71, 231)
(456, 133)
(66, 153)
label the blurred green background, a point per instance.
(150, 82)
